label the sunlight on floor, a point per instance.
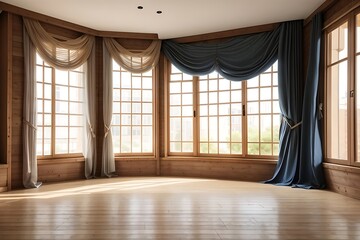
(122, 185)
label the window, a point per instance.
(337, 108)
(210, 115)
(133, 107)
(60, 117)
(342, 91)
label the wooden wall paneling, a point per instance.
(3, 86)
(128, 35)
(339, 9)
(161, 113)
(57, 172)
(228, 33)
(17, 102)
(218, 168)
(9, 100)
(47, 19)
(343, 179)
(5, 99)
(100, 119)
(157, 116)
(326, 5)
(136, 167)
(4, 178)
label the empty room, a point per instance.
(160, 119)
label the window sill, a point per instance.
(343, 168)
(221, 159)
(135, 158)
(3, 165)
(60, 160)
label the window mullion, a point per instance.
(244, 119)
(196, 117)
(53, 99)
(351, 87)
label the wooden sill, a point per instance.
(3, 165)
(343, 168)
(60, 161)
(220, 159)
(135, 158)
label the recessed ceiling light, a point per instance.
(159, 12)
(140, 7)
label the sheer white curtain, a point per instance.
(108, 162)
(30, 175)
(89, 150)
(135, 62)
(65, 55)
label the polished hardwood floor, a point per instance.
(176, 208)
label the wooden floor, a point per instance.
(176, 208)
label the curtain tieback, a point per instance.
(91, 130)
(29, 124)
(320, 111)
(291, 126)
(107, 129)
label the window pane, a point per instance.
(76, 79)
(47, 91)
(204, 129)
(75, 143)
(224, 133)
(338, 42)
(175, 147)
(61, 77)
(187, 129)
(337, 111)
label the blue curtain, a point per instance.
(310, 164)
(240, 58)
(290, 99)
(247, 56)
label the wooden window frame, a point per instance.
(196, 122)
(350, 18)
(53, 114)
(154, 114)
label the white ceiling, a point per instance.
(179, 18)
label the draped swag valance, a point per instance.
(65, 55)
(239, 58)
(135, 62)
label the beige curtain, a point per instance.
(108, 161)
(89, 150)
(135, 62)
(64, 55)
(30, 174)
